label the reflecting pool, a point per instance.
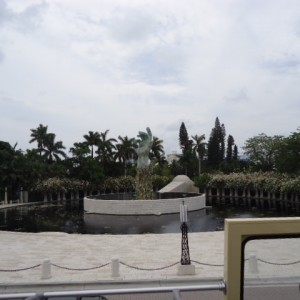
(69, 217)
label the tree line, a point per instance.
(98, 156)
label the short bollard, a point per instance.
(115, 267)
(46, 269)
(253, 263)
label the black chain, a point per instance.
(23, 269)
(278, 264)
(144, 269)
(84, 269)
(206, 264)
(148, 269)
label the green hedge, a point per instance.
(268, 182)
(124, 183)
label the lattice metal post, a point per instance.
(185, 252)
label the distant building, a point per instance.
(171, 157)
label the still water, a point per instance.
(69, 217)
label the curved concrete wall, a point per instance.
(142, 207)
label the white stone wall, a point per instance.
(142, 207)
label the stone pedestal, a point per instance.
(186, 270)
(144, 188)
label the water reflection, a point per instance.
(69, 217)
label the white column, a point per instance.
(21, 195)
(253, 268)
(5, 196)
(115, 267)
(25, 196)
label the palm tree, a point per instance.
(126, 150)
(39, 135)
(80, 150)
(92, 139)
(199, 148)
(53, 150)
(105, 147)
(157, 149)
(10, 172)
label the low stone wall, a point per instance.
(142, 207)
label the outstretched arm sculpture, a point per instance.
(145, 144)
(143, 188)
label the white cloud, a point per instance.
(125, 65)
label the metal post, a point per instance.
(176, 294)
(185, 267)
(185, 252)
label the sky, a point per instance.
(124, 65)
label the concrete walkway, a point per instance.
(84, 261)
(74, 251)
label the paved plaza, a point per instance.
(136, 252)
(62, 261)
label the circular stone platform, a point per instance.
(170, 197)
(142, 207)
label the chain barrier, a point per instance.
(206, 264)
(278, 264)
(143, 269)
(148, 269)
(82, 269)
(23, 269)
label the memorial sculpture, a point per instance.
(144, 188)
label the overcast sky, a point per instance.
(81, 65)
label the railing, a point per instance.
(89, 293)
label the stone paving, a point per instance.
(75, 251)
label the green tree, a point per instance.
(35, 167)
(12, 169)
(91, 171)
(235, 152)
(92, 139)
(216, 145)
(157, 149)
(230, 145)
(126, 151)
(187, 157)
(287, 157)
(199, 148)
(80, 151)
(261, 150)
(39, 135)
(53, 151)
(105, 153)
(183, 137)
(106, 147)
(176, 168)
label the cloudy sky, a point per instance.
(123, 65)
